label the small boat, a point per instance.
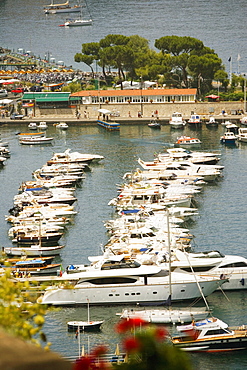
(33, 251)
(243, 120)
(35, 140)
(154, 124)
(4, 152)
(22, 135)
(194, 119)
(188, 141)
(232, 127)
(61, 125)
(176, 120)
(211, 122)
(2, 160)
(32, 126)
(88, 325)
(242, 134)
(166, 316)
(111, 126)
(61, 8)
(46, 238)
(34, 266)
(77, 23)
(43, 125)
(228, 138)
(210, 335)
(84, 325)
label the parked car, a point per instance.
(16, 116)
(3, 93)
(18, 90)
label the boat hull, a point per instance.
(165, 316)
(33, 251)
(138, 292)
(111, 126)
(84, 325)
(214, 345)
(45, 240)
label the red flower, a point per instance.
(160, 333)
(128, 324)
(131, 344)
(84, 363)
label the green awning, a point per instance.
(42, 97)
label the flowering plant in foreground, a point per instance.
(146, 348)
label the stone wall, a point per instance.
(165, 110)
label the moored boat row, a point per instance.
(42, 209)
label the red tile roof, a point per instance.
(143, 92)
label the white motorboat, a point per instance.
(213, 263)
(180, 169)
(243, 120)
(32, 126)
(152, 197)
(181, 154)
(154, 124)
(242, 134)
(229, 138)
(195, 119)
(44, 210)
(188, 141)
(43, 125)
(210, 335)
(211, 122)
(62, 125)
(74, 157)
(177, 121)
(44, 196)
(2, 160)
(136, 284)
(33, 227)
(232, 127)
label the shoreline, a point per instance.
(164, 121)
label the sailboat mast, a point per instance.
(199, 287)
(88, 318)
(169, 251)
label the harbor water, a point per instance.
(219, 24)
(220, 226)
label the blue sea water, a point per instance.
(221, 224)
(219, 24)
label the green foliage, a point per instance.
(177, 45)
(20, 315)
(181, 61)
(152, 353)
(232, 96)
(72, 87)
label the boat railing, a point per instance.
(111, 358)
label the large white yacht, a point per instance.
(119, 281)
